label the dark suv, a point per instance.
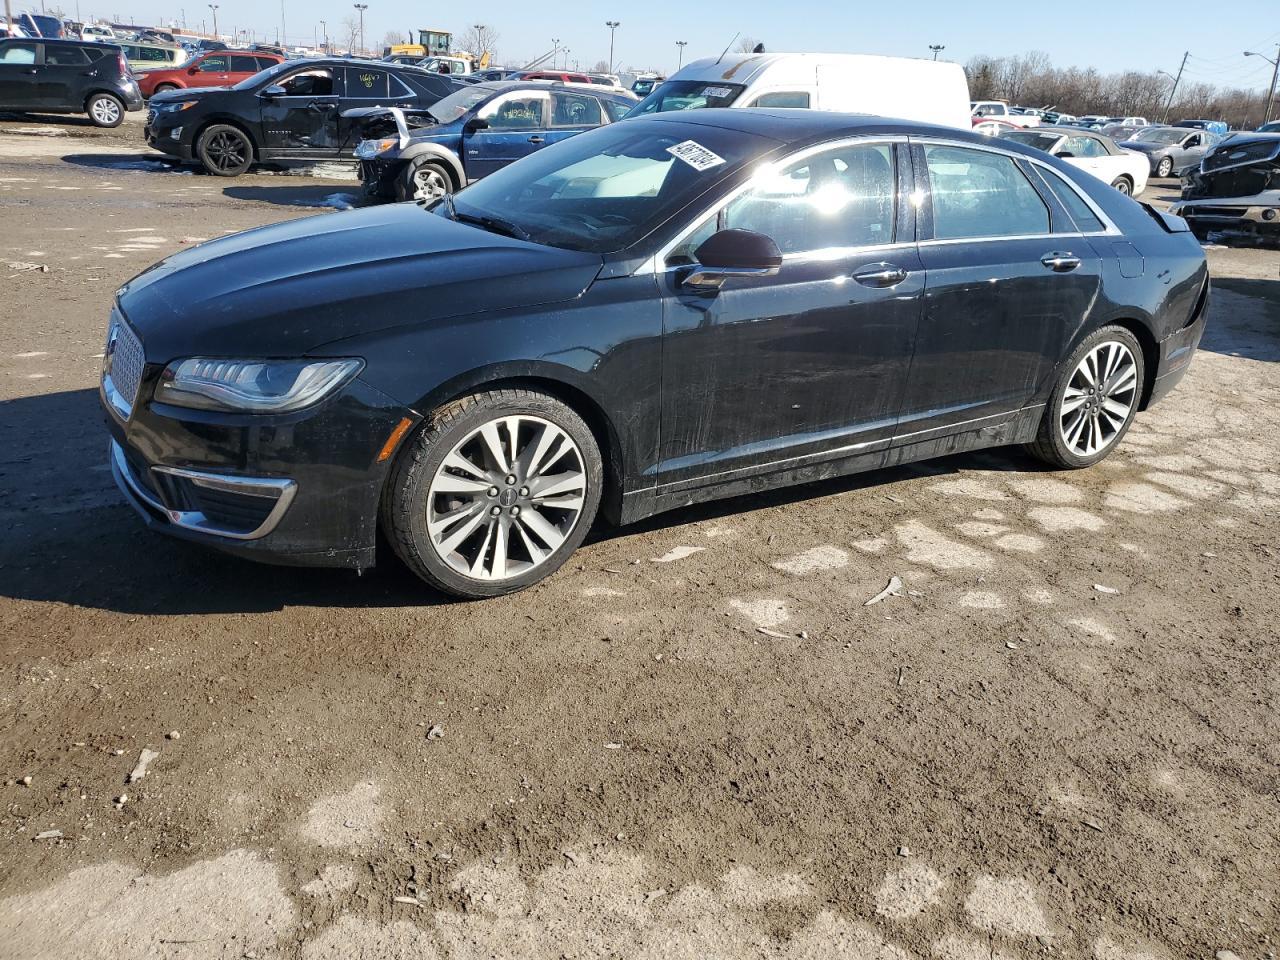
(288, 113)
(67, 76)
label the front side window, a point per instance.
(18, 53)
(780, 98)
(981, 194)
(839, 198)
(574, 110)
(365, 84)
(517, 112)
(214, 65)
(309, 83)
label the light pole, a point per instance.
(480, 28)
(937, 48)
(612, 25)
(324, 32)
(362, 7)
(214, 8)
(555, 51)
(1271, 90)
(283, 42)
(681, 44)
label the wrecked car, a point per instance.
(1236, 189)
(424, 154)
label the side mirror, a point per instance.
(274, 90)
(734, 253)
(192, 71)
(476, 123)
(1065, 154)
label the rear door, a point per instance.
(20, 74)
(517, 126)
(64, 75)
(1010, 281)
(571, 113)
(241, 66)
(367, 87)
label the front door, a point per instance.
(19, 74)
(517, 126)
(1007, 289)
(213, 71)
(807, 365)
(302, 123)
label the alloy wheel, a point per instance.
(226, 151)
(428, 184)
(105, 111)
(506, 497)
(1165, 168)
(1098, 399)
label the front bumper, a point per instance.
(1233, 214)
(298, 489)
(169, 137)
(1176, 351)
(380, 176)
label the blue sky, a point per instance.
(1108, 34)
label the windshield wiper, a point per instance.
(492, 224)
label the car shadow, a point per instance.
(154, 162)
(1252, 332)
(338, 195)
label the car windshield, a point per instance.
(687, 95)
(456, 105)
(1030, 138)
(605, 190)
(1162, 135)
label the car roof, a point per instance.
(587, 88)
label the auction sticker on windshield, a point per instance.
(695, 155)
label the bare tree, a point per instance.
(479, 41)
(602, 66)
(747, 44)
(390, 38)
(350, 32)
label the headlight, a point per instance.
(368, 149)
(175, 107)
(253, 386)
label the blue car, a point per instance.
(423, 154)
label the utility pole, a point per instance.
(555, 51)
(681, 44)
(1271, 90)
(214, 8)
(362, 7)
(283, 42)
(937, 48)
(612, 25)
(8, 17)
(324, 32)
(1169, 104)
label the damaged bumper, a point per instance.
(1236, 189)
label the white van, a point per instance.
(899, 87)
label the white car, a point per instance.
(91, 31)
(1091, 152)
(981, 110)
(16, 34)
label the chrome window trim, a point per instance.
(656, 264)
(281, 490)
(1111, 228)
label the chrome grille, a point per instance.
(123, 363)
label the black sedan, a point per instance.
(291, 112)
(657, 312)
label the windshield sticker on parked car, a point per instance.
(695, 155)
(715, 93)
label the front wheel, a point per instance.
(105, 110)
(1164, 167)
(224, 150)
(424, 181)
(1123, 185)
(1095, 399)
(494, 493)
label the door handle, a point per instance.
(881, 275)
(31, 72)
(537, 139)
(1060, 262)
(319, 106)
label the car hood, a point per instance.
(1241, 167)
(185, 93)
(285, 289)
(1143, 146)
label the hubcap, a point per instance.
(226, 151)
(506, 497)
(428, 185)
(1099, 399)
(105, 111)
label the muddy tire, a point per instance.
(493, 492)
(224, 150)
(105, 110)
(1095, 398)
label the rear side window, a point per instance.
(617, 111)
(365, 84)
(780, 98)
(243, 64)
(574, 110)
(65, 56)
(18, 53)
(1085, 219)
(262, 63)
(981, 194)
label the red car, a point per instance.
(561, 75)
(217, 68)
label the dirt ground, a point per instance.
(1060, 740)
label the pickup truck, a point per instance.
(981, 110)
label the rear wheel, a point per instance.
(1164, 167)
(1124, 185)
(1094, 400)
(224, 150)
(424, 181)
(494, 493)
(165, 87)
(105, 110)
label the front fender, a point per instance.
(439, 152)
